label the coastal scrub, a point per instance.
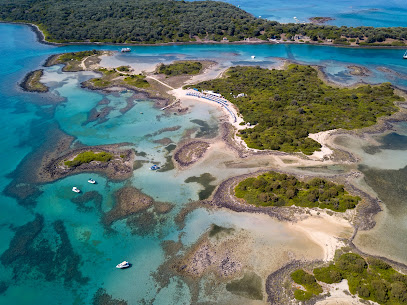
(180, 68)
(89, 156)
(370, 278)
(285, 106)
(275, 189)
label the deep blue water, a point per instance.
(376, 13)
(73, 255)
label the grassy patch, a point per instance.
(275, 189)
(89, 156)
(287, 105)
(138, 81)
(302, 295)
(78, 56)
(180, 68)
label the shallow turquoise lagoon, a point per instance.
(73, 254)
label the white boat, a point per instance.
(123, 265)
(253, 57)
(124, 50)
(76, 190)
(91, 181)
(405, 55)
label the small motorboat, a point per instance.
(125, 50)
(123, 265)
(405, 55)
(76, 190)
(91, 181)
(154, 167)
(253, 57)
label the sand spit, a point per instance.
(321, 138)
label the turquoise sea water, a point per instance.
(376, 13)
(65, 254)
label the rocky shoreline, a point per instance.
(119, 168)
(190, 153)
(32, 83)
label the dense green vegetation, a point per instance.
(275, 189)
(287, 105)
(309, 283)
(371, 278)
(152, 21)
(89, 156)
(180, 68)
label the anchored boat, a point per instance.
(123, 265)
(154, 167)
(76, 190)
(124, 50)
(91, 181)
(405, 55)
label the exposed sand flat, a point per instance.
(321, 138)
(325, 231)
(340, 295)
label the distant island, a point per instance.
(163, 21)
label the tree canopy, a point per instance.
(152, 21)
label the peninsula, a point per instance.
(282, 107)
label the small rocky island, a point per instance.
(32, 83)
(320, 20)
(115, 163)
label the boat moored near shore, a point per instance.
(125, 50)
(91, 181)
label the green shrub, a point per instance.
(328, 275)
(89, 156)
(302, 295)
(351, 263)
(306, 280)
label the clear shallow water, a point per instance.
(72, 241)
(376, 13)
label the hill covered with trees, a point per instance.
(157, 21)
(287, 105)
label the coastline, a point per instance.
(41, 39)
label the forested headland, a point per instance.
(287, 105)
(162, 21)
